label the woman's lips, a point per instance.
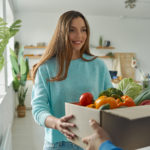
(77, 42)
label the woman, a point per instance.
(66, 70)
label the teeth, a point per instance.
(77, 42)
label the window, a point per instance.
(6, 73)
(9, 20)
(2, 72)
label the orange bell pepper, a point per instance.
(125, 101)
(91, 106)
(105, 100)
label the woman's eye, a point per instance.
(71, 30)
(84, 30)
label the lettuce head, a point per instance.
(129, 87)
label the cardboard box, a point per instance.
(129, 128)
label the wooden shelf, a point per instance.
(100, 47)
(104, 57)
(34, 47)
(34, 56)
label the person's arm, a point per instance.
(41, 108)
(99, 140)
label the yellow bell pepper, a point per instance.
(105, 100)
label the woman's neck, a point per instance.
(75, 55)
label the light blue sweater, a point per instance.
(48, 98)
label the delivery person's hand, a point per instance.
(99, 136)
(63, 126)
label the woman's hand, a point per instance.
(63, 126)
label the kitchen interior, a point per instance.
(119, 36)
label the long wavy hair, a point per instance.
(60, 46)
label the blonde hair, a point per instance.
(60, 46)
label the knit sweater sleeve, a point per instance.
(107, 79)
(41, 96)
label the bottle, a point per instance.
(101, 41)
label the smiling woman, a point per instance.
(62, 75)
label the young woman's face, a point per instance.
(77, 33)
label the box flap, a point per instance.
(131, 113)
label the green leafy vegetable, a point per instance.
(145, 95)
(111, 92)
(129, 87)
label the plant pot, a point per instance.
(21, 111)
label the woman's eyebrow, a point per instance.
(75, 27)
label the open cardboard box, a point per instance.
(129, 128)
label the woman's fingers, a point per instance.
(69, 137)
(68, 133)
(67, 125)
(66, 118)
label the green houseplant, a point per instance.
(5, 34)
(20, 70)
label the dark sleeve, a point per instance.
(107, 145)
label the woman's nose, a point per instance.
(78, 34)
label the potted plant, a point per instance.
(20, 70)
(21, 109)
(5, 34)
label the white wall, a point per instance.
(126, 35)
(7, 108)
(1, 10)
